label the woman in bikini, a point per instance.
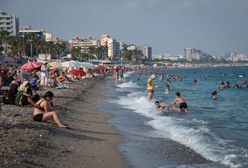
(41, 111)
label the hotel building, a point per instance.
(9, 23)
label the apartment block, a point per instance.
(9, 23)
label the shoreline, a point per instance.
(91, 141)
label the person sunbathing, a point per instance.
(42, 113)
(62, 78)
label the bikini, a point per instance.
(39, 117)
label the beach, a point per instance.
(90, 141)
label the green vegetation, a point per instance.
(30, 45)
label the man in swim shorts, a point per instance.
(183, 107)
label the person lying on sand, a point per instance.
(41, 111)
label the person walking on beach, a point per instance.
(183, 107)
(44, 75)
(150, 87)
(42, 113)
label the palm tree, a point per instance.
(92, 51)
(76, 53)
(4, 37)
(15, 42)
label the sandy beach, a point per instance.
(90, 142)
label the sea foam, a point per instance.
(199, 138)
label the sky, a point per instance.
(169, 26)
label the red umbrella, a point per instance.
(101, 67)
(77, 72)
(31, 66)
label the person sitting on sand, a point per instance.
(24, 96)
(42, 113)
(183, 107)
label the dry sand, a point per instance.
(90, 142)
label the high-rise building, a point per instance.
(146, 51)
(112, 44)
(194, 54)
(9, 23)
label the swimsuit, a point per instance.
(183, 106)
(150, 91)
(38, 117)
(150, 87)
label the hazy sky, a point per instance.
(169, 26)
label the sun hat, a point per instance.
(153, 76)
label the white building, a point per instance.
(50, 38)
(83, 44)
(9, 23)
(26, 30)
(238, 57)
(194, 54)
(146, 51)
(112, 44)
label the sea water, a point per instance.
(217, 130)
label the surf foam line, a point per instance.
(191, 133)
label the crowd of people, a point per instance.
(24, 88)
(182, 105)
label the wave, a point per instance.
(129, 84)
(192, 133)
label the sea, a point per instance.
(213, 134)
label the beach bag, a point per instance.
(18, 99)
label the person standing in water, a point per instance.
(150, 87)
(183, 107)
(116, 75)
(122, 74)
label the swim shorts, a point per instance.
(183, 106)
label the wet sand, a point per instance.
(90, 142)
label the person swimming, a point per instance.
(222, 85)
(160, 106)
(214, 95)
(194, 82)
(167, 89)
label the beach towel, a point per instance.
(62, 87)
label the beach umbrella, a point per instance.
(55, 64)
(87, 65)
(30, 66)
(101, 67)
(71, 64)
(77, 72)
